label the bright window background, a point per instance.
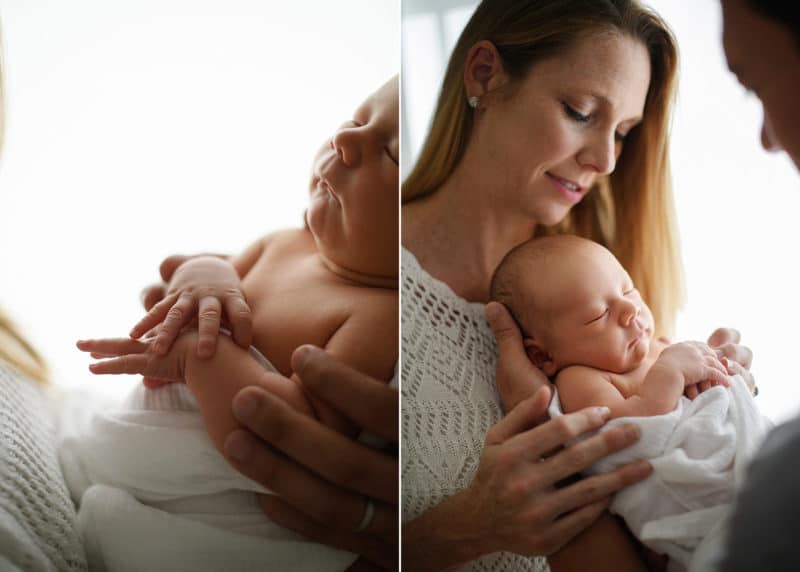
(737, 205)
(140, 129)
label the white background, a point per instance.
(140, 129)
(737, 205)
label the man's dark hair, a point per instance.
(785, 12)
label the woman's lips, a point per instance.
(570, 189)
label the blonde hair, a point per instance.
(14, 349)
(631, 211)
(17, 352)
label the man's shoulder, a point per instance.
(782, 445)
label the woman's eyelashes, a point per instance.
(391, 155)
(579, 117)
(576, 115)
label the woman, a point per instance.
(537, 103)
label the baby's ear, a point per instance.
(540, 357)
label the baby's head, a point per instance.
(575, 305)
(353, 210)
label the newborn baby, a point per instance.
(585, 325)
(332, 284)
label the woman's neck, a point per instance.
(459, 234)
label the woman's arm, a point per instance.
(608, 544)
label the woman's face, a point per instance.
(549, 137)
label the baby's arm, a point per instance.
(215, 381)
(679, 365)
(367, 341)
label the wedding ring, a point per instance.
(369, 515)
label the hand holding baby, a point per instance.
(203, 286)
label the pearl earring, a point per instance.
(474, 101)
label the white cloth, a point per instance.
(154, 494)
(449, 399)
(37, 518)
(698, 452)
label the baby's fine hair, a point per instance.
(509, 286)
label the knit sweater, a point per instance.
(449, 397)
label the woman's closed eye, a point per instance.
(391, 155)
(576, 115)
(579, 117)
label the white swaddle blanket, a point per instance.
(698, 452)
(154, 493)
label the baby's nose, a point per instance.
(629, 314)
(345, 143)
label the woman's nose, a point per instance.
(600, 154)
(768, 140)
(347, 145)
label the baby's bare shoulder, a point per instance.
(578, 374)
(582, 386)
(287, 241)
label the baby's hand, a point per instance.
(205, 285)
(699, 364)
(125, 355)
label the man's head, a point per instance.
(762, 45)
(575, 304)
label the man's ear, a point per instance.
(483, 71)
(539, 356)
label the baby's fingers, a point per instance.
(112, 346)
(179, 315)
(154, 316)
(132, 363)
(241, 319)
(208, 317)
(715, 375)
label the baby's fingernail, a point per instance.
(603, 412)
(244, 407)
(239, 447)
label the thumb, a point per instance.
(503, 325)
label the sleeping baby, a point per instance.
(147, 472)
(585, 325)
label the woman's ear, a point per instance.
(539, 356)
(483, 72)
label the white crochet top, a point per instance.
(449, 399)
(37, 517)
